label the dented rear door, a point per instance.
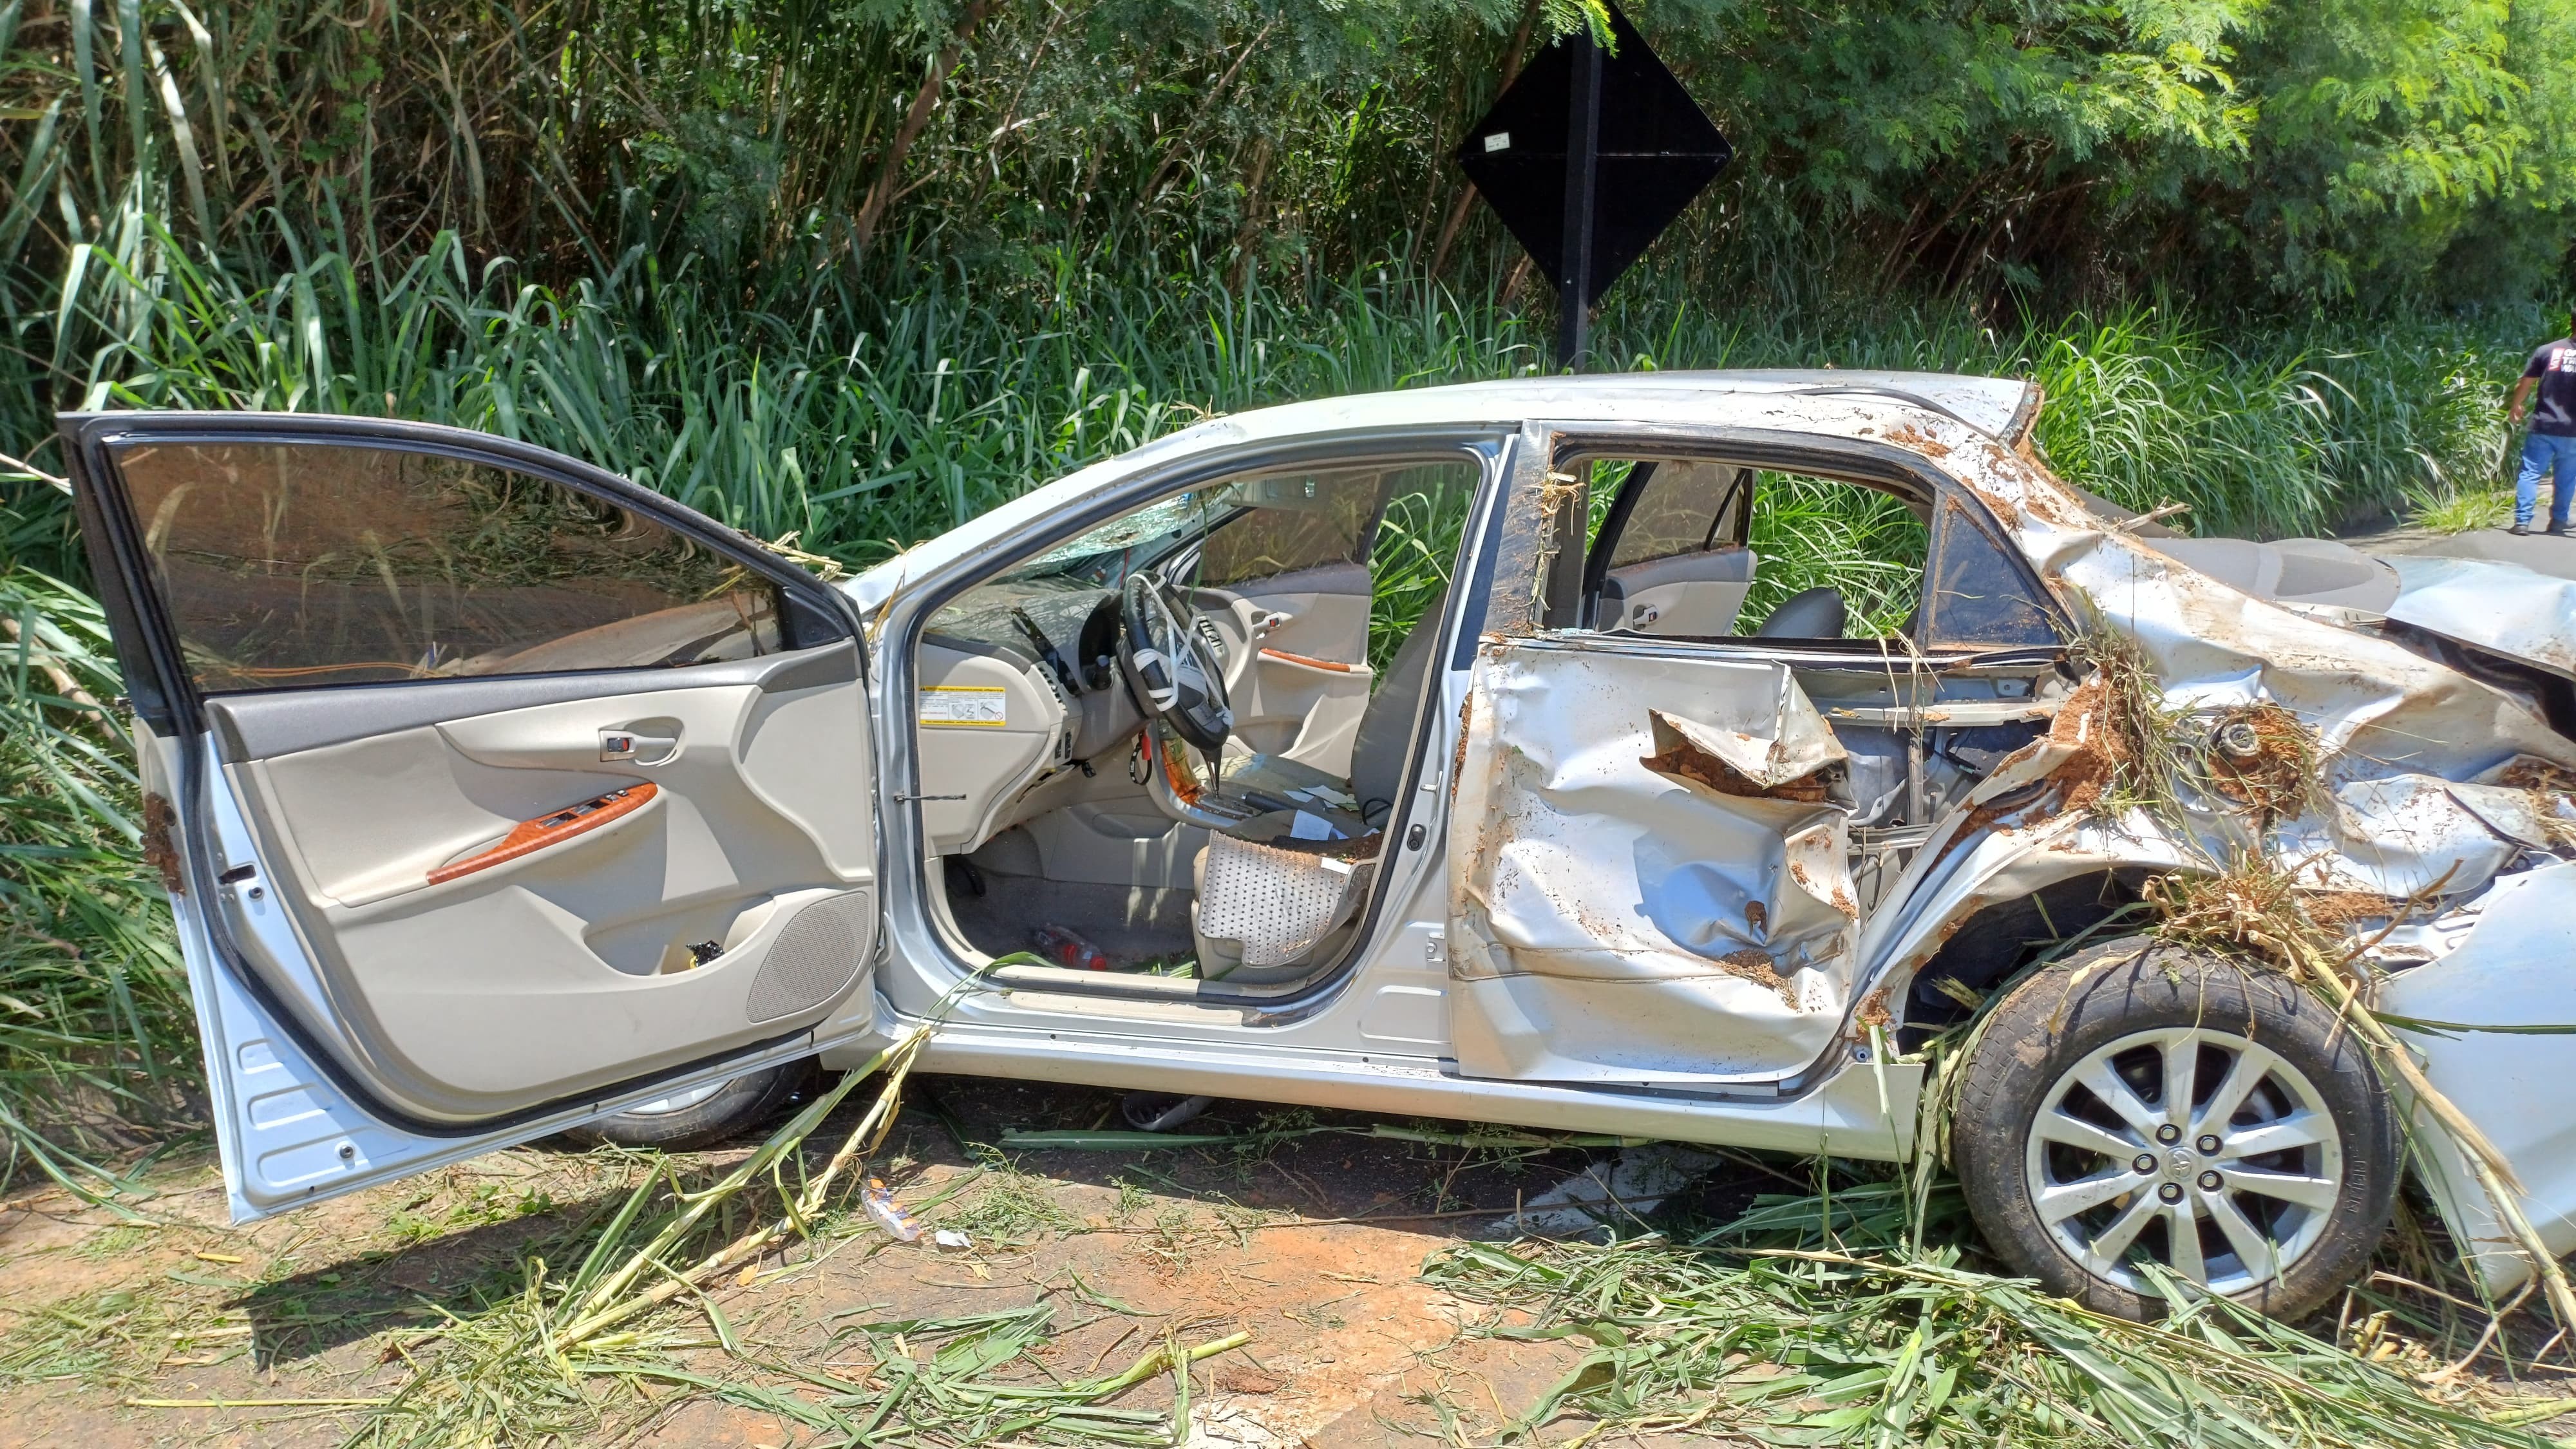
(1648, 881)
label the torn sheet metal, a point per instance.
(1788, 764)
(2422, 775)
(2510, 970)
(1631, 903)
(2403, 744)
(2494, 605)
(2392, 730)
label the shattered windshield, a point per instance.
(1108, 553)
(1235, 532)
(1288, 521)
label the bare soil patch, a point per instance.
(1347, 1345)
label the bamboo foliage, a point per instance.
(1972, 146)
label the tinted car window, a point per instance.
(1977, 597)
(1298, 521)
(1678, 511)
(303, 564)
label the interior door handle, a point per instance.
(627, 747)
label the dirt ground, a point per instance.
(1347, 1347)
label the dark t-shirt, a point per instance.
(2553, 410)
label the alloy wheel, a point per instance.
(2195, 1149)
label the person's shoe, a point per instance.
(2520, 530)
(2558, 530)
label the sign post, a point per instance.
(1582, 171)
(1586, 159)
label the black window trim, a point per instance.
(1976, 518)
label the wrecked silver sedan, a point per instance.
(1683, 756)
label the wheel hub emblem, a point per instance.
(2178, 1164)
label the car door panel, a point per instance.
(434, 900)
(1647, 883)
(256, 725)
(287, 1131)
(1297, 674)
(1315, 707)
(593, 934)
(1690, 595)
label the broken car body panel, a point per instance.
(2494, 605)
(2408, 756)
(2507, 1082)
(2392, 730)
(2415, 761)
(1641, 896)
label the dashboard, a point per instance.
(1018, 680)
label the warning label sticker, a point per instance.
(965, 704)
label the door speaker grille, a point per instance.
(816, 954)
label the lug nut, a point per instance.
(2240, 740)
(2146, 1163)
(2171, 1192)
(2209, 1144)
(2169, 1134)
(2212, 1181)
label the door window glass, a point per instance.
(1290, 523)
(1686, 506)
(1822, 533)
(1977, 597)
(289, 565)
(1701, 548)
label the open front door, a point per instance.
(493, 792)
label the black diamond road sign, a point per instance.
(1654, 151)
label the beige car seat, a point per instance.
(1266, 913)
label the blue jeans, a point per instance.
(2552, 454)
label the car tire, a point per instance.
(2076, 1168)
(687, 1121)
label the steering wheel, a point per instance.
(1171, 667)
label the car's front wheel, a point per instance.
(2141, 1105)
(701, 1116)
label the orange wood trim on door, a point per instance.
(1310, 663)
(533, 835)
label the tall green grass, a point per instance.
(865, 422)
(96, 1053)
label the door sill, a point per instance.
(1138, 985)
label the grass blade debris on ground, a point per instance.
(1888, 1347)
(526, 1368)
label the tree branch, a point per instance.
(881, 196)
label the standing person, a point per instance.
(2551, 447)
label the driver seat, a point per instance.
(1281, 903)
